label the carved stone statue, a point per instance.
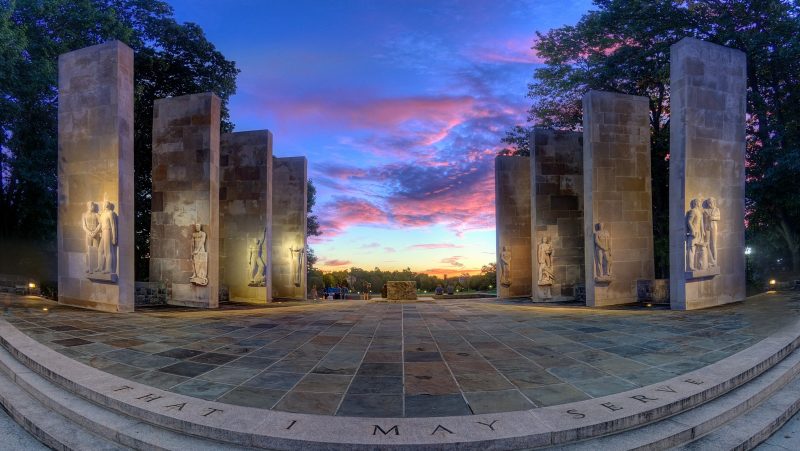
(602, 254)
(695, 239)
(199, 257)
(90, 221)
(107, 248)
(545, 259)
(257, 266)
(297, 263)
(505, 266)
(711, 218)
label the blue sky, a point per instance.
(399, 107)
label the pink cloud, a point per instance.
(345, 211)
(515, 51)
(453, 261)
(435, 246)
(335, 262)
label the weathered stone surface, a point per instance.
(707, 148)
(186, 193)
(513, 219)
(289, 198)
(557, 210)
(654, 291)
(95, 164)
(245, 207)
(618, 218)
(405, 290)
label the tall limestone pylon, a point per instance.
(95, 178)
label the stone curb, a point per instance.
(509, 430)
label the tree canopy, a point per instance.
(623, 46)
(171, 59)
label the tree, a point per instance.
(171, 59)
(623, 46)
(312, 229)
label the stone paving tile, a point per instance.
(435, 405)
(391, 360)
(376, 405)
(497, 401)
(252, 397)
(188, 369)
(309, 402)
(273, 380)
(602, 386)
(324, 383)
(362, 385)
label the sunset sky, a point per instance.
(399, 107)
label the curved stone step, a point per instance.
(94, 419)
(687, 426)
(50, 428)
(547, 426)
(752, 428)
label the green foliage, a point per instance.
(425, 282)
(623, 46)
(171, 59)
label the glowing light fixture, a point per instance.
(772, 281)
(31, 285)
(44, 309)
(748, 250)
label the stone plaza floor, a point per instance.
(430, 358)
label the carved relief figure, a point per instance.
(505, 266)
(711, 218)
(106, 255)
(257, 267)
(297, 264)
(695, 239)
(199, 257)
(90, 221)
(545, 260)
(602, 254)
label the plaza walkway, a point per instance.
(434, 358)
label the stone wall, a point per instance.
(150, 293)
(513, 219)
(556, 213)
(289, 200)
(95, 164)
(186, 135)
(707, 161)
(617, 196)
(401, 290)
(245, 207)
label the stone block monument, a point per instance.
(245, 207)
(289, 201)
(405, 290)
(707, 174)
(513, 218)
(184, 233)
(556, 167)
(95, 178)
(618, 217)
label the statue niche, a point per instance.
(101, 229)
(544, 259)
(602, 254)
(505, 266)
(297, 264)
(199, 257)
(256, 266)
(702, 225)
